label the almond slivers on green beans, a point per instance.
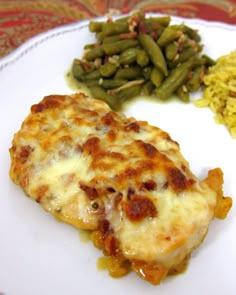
(141, 55)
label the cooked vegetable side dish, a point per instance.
(220, 91)
(123, 180)
(141, 55)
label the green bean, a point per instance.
(183, 93)
(90, 46)
(194, 83)
(156, 77)
(183, 56)
(130, 92)
(77, 68)
(161, 20)
(193, 34)
(113, 83)
(94, 53)
(199, 61)
(95, 27)
(90, 76)
(111, 39)
(148, 88)
(128, 56)
(154, 52)
(119, 46)
(171, 50)
(186, 54)
(130, 73)
(91, 83)
(100, 36)
(111, 100)
(142, 58)
(108, 69)
(174, 80)
(208, 61)
(114, 28)
(169, 35)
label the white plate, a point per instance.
(40, 256)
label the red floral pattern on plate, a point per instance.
(21, 20)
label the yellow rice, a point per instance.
(220, 91)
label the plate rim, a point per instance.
(40, 38)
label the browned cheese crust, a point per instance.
(120, 178)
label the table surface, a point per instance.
(20, 20)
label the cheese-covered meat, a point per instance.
(121, 178)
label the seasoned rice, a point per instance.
(220, 91)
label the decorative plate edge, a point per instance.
(34, 42)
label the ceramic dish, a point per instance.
(40, 256)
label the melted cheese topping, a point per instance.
(98, 170)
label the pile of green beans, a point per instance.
(139, 55)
